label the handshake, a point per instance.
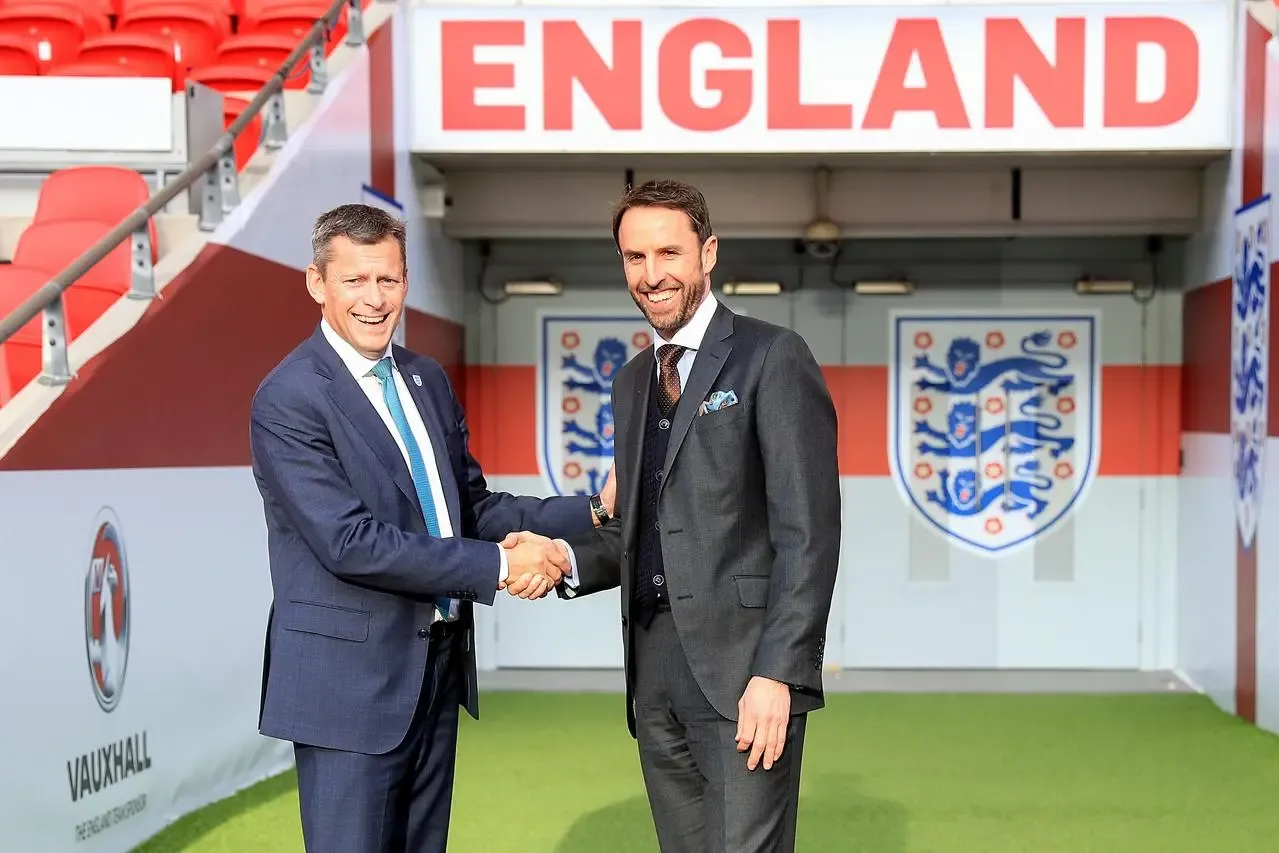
(534, 564)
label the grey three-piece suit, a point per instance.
(744, 506)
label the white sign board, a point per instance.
(117, 114)
(986, 78)
(132, 652)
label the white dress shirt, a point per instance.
(689, 336)
(361, 368)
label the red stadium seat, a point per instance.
(54, 246)
(232, 78)
(292, 20)
(196, 31)
(102, 10)
(18, 57)
(224, 9)
(20, 355)
(55, 32)
(96, 14)
(89, 69)
(145, 55)
(107, 194)
(267, 52)
(246, 144)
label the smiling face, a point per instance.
(361, 291)
(667, 268)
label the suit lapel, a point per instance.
(351, 401)
(707, 365)
(437, 432)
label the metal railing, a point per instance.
(218, 177)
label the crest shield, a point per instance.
(578, 358)
(1249, 361)
(994, 422)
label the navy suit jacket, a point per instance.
(353, 571)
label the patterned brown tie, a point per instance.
(668, 377)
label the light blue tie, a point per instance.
(383, 371)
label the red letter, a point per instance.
(785, 111)
(461, 75)
(939, 94)
(1058, 89)
(675, 73)
(616, 91)
(1181, 72)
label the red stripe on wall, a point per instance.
(1254, 110)
(175, 390)
(501, 413)
(440, 339)
(1205, 357)
(382, 109)
(860, 394)
(1140, 423)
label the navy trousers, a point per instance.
(393, 803)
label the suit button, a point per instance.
(423, 633)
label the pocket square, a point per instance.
(718, 400)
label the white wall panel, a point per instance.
(1268, 597)
(1206, 567)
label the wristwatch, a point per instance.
(597, 508)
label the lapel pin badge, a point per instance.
(417, 380)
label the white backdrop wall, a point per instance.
(1099, 592)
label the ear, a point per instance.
(315, 283)
(710, 254)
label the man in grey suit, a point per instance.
(726, 542)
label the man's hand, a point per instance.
(763, 715)
(535, 564)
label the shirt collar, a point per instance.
(355, 361)
(691, 333)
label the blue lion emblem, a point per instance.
(580, 358)
(597, 378)
(964, 372)
(964, 496)
(964, 440)
(994, 424)
(1250, 388)
(1251, 278)
(1247, 470)
(1249, 362)
(610, 357)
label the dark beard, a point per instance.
(688, 307)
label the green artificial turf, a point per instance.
(882, 774)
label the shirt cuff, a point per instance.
(505, 569)
(569, 580)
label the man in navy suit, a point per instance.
(382, 534)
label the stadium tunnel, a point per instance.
(1067, 195)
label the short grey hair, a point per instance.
(362, 224)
